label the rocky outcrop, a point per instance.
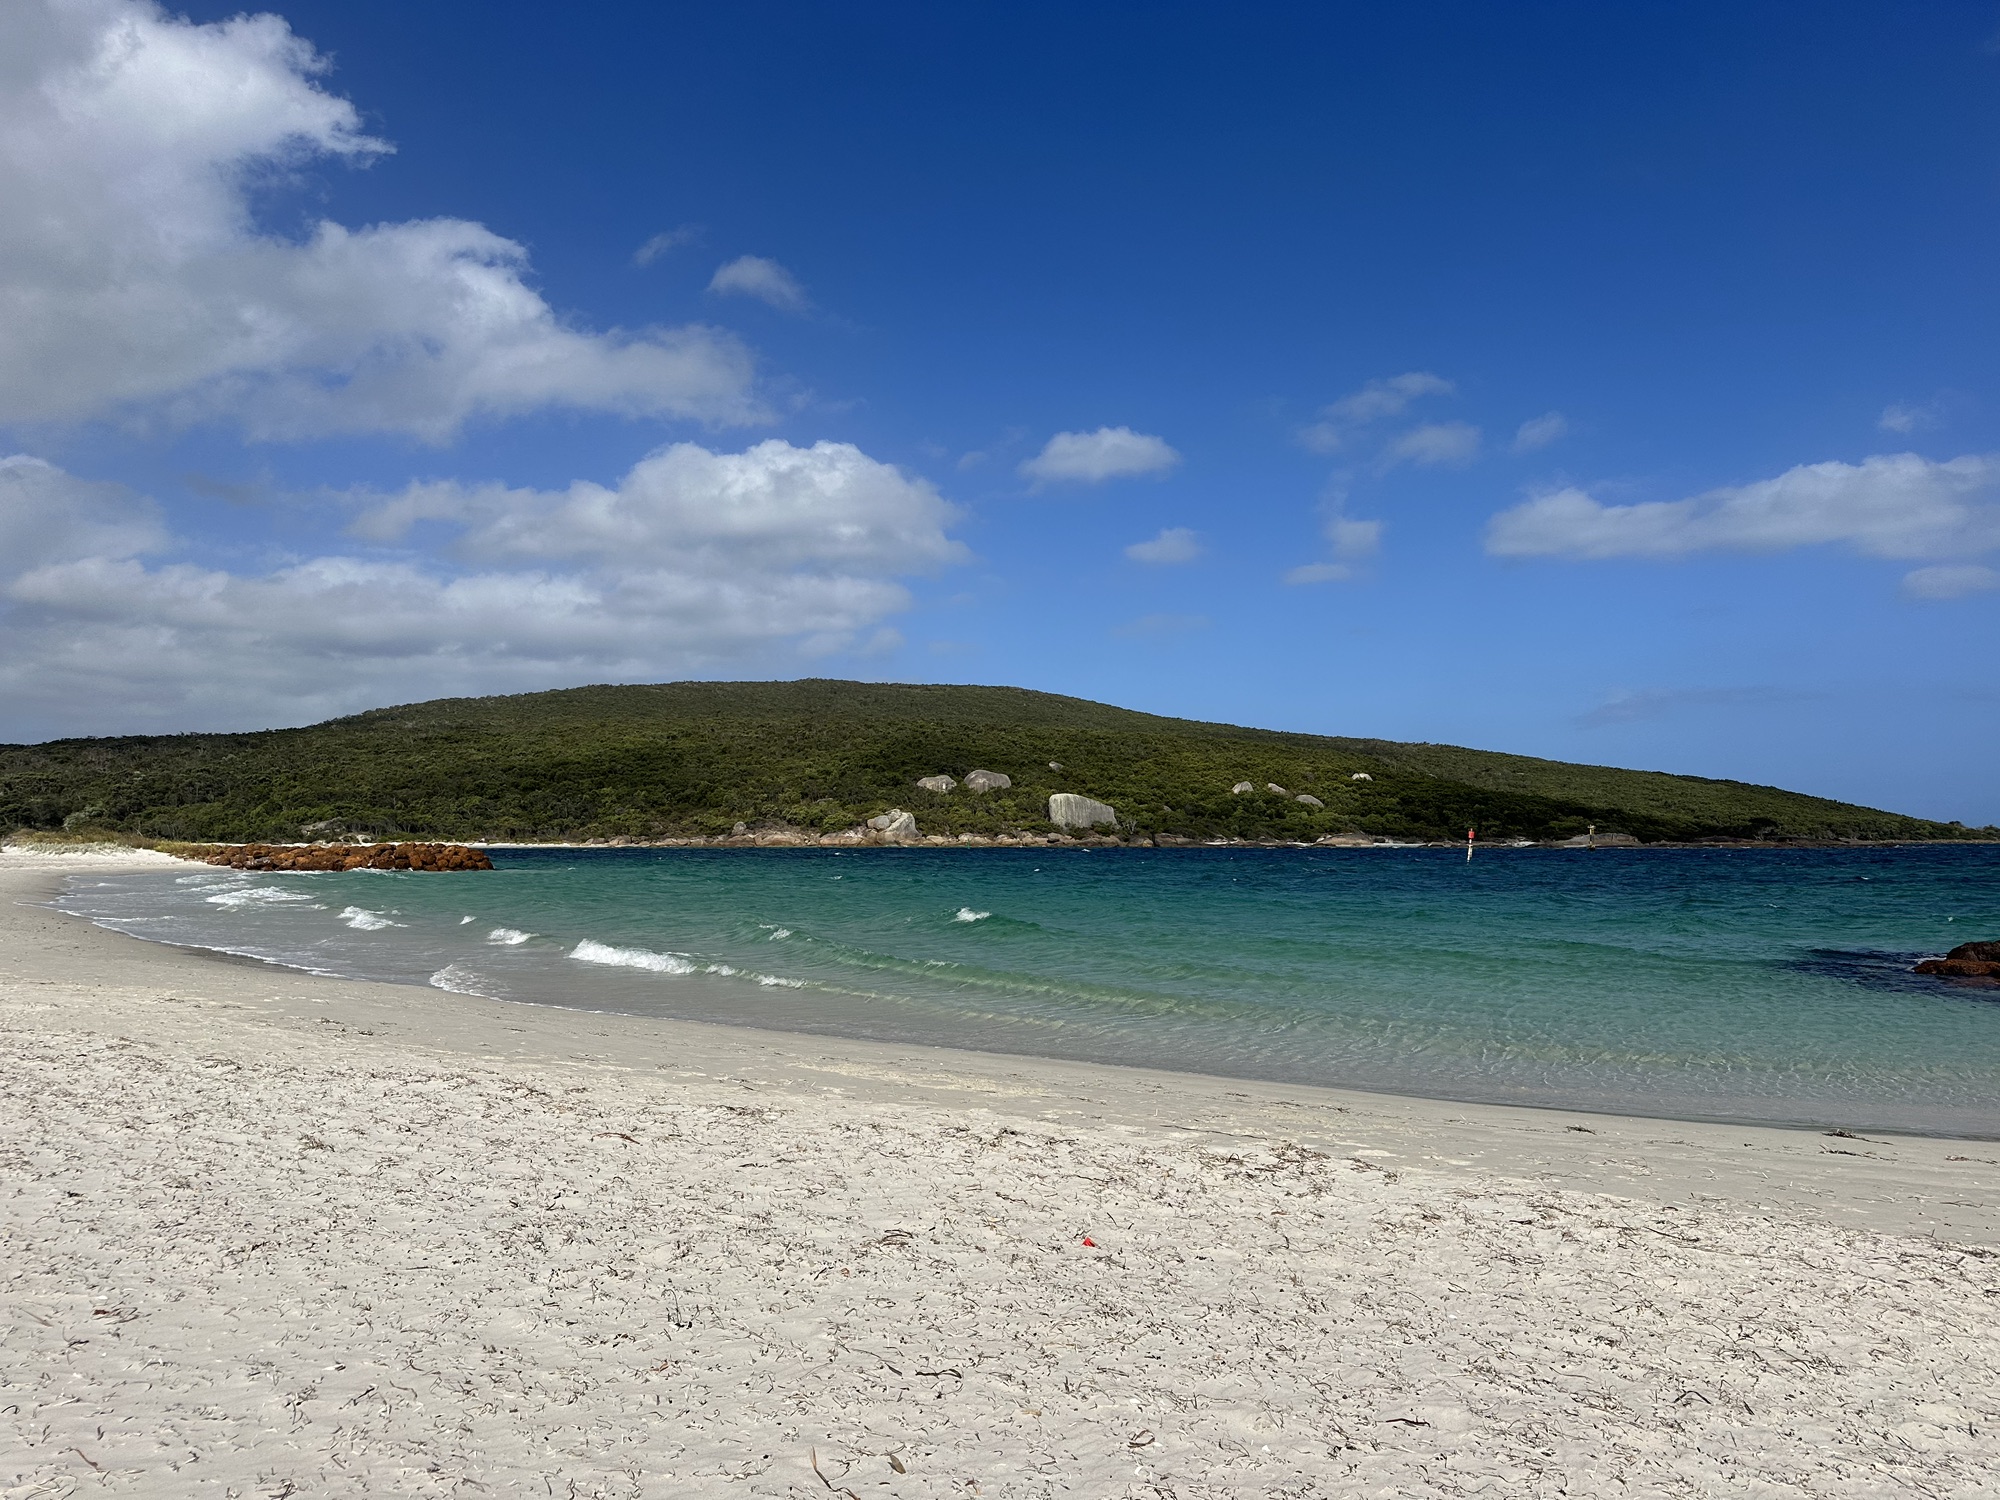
(1275, 790)
(987, 781)
(1600, 841)
(1309, 799)
(1241, 787)
(346, 857)
(936, 783)
(1068, 810)
(1966, 961)
(895, 826)
(1346, 841)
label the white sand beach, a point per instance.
(268, 1234)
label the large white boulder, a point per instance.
(1068, 810)
(1309, 799)
(1241, 787)
(1361, 776)
(895, 825)
(987, 781)
(1275, 790)
(936, 783)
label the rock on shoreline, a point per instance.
(438, 857)
(1966, 961)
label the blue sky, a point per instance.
(1607, 383)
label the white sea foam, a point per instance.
(255, 895)
(363, 920)
(778, 933)
(508, 937)
(773, 979)
(967, 914)
(467, 921)
(631, 958)
(719, 969)
(459, 980)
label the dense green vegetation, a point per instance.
(696, 757)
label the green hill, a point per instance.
(695, 757)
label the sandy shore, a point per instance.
(269, 1234)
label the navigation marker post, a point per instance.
(1468, 845)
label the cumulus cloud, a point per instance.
(1898, 417)
(1174, 544)
(136, 281)
(1450, 445)
(766, 280)
(1376, 400)
(1892, 506)
(1350, 541)
(694, 559)
(663, 243)
(1093, 457)
(1539, 432)
(1947, 581)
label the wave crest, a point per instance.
(631, 958)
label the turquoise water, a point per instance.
(1767, 985)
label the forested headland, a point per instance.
(692, 759)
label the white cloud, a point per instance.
(694, 559)
(1539, 432)
(1891, 505)
(1373, 402)
(1093, 457)
(1898, 417)
(1174, 544)
(1435, 445)
(135, 281)
(1949, 581)
(666, 241)
(766, 280)
(1351, 542)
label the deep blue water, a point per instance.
(1746, 984)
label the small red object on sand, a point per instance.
(1090, 1242)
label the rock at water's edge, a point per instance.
(1966, 961)
(1068, 810)
(346, 857)
(895, 825)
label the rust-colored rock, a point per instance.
(346, 857)
(1966, 961)
(1960, 968)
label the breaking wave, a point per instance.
(255, 895)
(508, 937)
(459, 980)
(631, 958)
(363, 920)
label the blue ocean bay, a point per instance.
(1751, 984)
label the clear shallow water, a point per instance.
(1765, 985)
